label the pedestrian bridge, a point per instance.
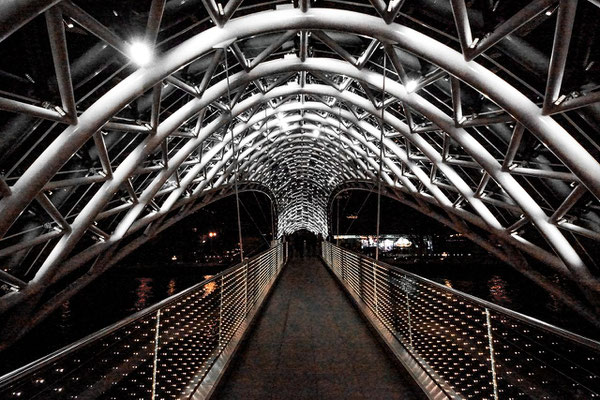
(120, 118)
(338, 326)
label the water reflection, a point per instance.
(65, 317)
(210, 286)
(171, 287)
(499, 291)
(143, 293)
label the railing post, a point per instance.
(375, 288)
(488, 322)
(155, 362)
(275, 265)
(331, 255)
(410, 341)
(361, 280)
(342, 265)
(246, 288)
(221, 310)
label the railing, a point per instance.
(174, 350)
(464, 347)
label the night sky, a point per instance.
(395, 216)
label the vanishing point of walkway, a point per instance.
(311, 343)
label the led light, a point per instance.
(411, 85)
(140, 53)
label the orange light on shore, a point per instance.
(212, 234)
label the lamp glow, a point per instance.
(140, 53)
(411, 85)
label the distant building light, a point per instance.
(174, 258)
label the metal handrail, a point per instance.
(38, 364)
(456, 345)
(594, 344)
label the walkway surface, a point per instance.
(311, 343)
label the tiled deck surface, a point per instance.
(311, 343)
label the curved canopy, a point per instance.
(484, 118)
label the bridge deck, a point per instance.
(311, 343)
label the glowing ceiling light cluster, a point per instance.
(140, 53)
(411, 85)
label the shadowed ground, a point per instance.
(311, 343)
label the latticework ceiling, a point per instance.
(483, 115)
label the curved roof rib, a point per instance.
(477, 128)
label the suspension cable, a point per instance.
(264, 216)
(262, 235)
(274, 233)
(381, 124)
(235, 153)
(359, 210)
(337, 243)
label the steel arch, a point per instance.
(35, 181)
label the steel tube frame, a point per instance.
(566, 148)
(287, 11)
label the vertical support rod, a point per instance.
(4, 188)
(237, 202)
(380, 159)
(488, 322)
(410, 341)
(246, 288)
(60, 57)
(235, 153)
(221, 311)
(560, 48)
(461, 19)
(375, 288)
(273, 234)
(155, 15)
(456, 101)
(513, 146)
(155, 112)
(155, 362)
(342, 267)
(304, 5)
(337, 240)
(330, 255)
